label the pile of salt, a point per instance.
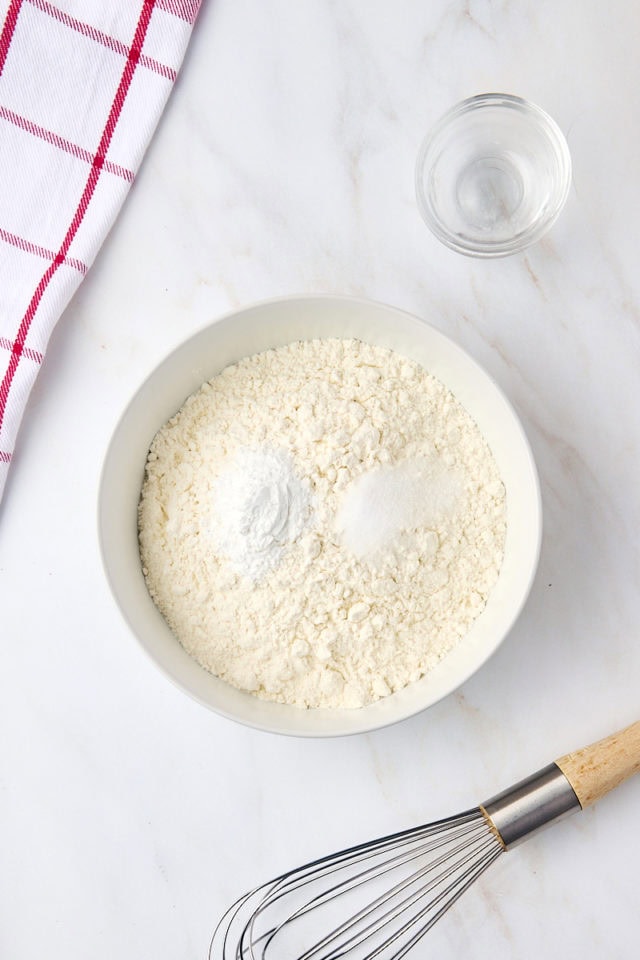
(381, 504)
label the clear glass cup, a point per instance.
(492, 175)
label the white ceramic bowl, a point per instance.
(272, 324)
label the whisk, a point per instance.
(378, 899)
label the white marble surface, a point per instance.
(131, 816)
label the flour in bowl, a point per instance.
(322, 523)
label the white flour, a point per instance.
(270, 541)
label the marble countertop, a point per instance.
(130, 815)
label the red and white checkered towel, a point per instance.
(82, 86)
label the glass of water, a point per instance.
(492, 175)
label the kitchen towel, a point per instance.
(82, 86)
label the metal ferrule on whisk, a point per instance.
(541, 799)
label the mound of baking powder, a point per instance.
(260, 507)
(320, 524)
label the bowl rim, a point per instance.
(497, 248)
(371, 721)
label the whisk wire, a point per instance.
(312, 871)
(444, 858)
(455, 890)
(384, 866)
(448, 863)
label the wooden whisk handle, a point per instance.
(602, 766)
